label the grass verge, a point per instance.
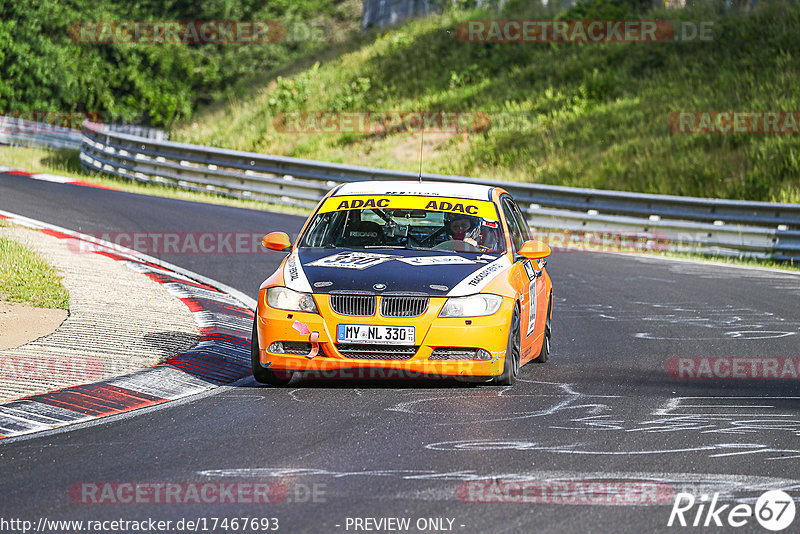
(25, 277)
(790, 265)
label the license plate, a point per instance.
(365, 333)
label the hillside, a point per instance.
(578, 114)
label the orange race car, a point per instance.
(419, 279)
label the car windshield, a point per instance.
(398, 224)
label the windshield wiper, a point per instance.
(403, 247)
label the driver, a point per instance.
(462, 227)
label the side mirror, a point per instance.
(534, 250)
(277, 241)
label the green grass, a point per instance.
(588, 115)
(790, 265)
(25, 277)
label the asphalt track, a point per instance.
(603, 409)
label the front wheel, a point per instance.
(512, 359)
(262, 375)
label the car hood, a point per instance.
(385, 271)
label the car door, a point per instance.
(531, 291)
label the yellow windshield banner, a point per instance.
(478, 208)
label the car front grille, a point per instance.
(376, 352)
(391, 305)
(403, 306)
(356, 305)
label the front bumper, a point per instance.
(489, 333)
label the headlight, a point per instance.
(472, 306)
(284, 298)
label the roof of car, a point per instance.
(439, 189)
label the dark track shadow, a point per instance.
(64, 158)
(170, 343)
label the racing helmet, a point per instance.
(449, 218)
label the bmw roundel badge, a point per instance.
(379, 287)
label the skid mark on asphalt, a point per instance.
(721, 415)
(707, 415)
(699, 321)
(716, 450)
(450, 485)
(719, 450)
(562, 406)
(695, 417)
(526, 406)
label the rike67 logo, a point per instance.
(774, 510)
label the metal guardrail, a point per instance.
(22, 132)
(713, 226)
(139, 131)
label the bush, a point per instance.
(607, 9)
(158, 84)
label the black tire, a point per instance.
(262, 375)
(512, 358)
(544, 354)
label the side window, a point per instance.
(517, 235)
(523, 223)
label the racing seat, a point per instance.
(363, 234)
